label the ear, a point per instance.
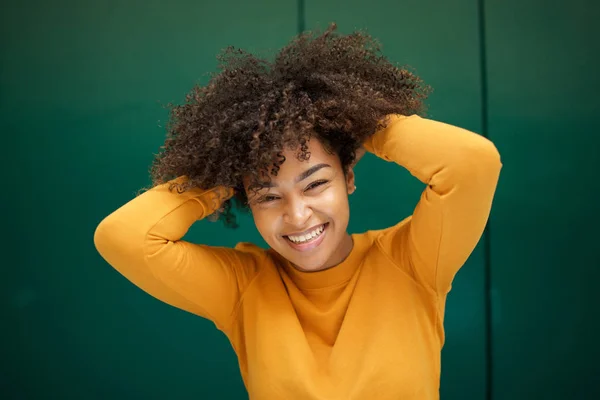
(350, 185)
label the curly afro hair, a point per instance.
(336, 87)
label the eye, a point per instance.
(266, 199)
(316, 184)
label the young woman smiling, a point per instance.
(321, 313)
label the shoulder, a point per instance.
(380, 236)
(250, 248)
(250, 252)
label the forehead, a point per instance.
(292, 166)
(318, 154)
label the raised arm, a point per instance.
(142, 240)
(461, 170)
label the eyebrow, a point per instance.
(300, 177)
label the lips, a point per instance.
(304, 232)
(311, 244)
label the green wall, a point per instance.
(82, 86)
(544, 109)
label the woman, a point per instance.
(320, 314)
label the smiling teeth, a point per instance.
(308, 236)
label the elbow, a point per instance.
(484, 154)
(112, 240)
(488, 165)
(120, 242)
(491, 157)
(102, 237)
(479, 161)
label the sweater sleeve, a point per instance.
(142, 240)
(461, 170)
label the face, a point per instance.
(303, 215)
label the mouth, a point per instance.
(308, 241)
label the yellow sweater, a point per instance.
(369, 328)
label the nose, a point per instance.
(297, 212)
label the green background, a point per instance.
(82, 89)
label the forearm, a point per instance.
(438, 154)
(152, 219)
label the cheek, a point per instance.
(341, 194)
(267, 223)
(334, 202)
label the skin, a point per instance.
(293, 206)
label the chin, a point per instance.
(304, 263)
